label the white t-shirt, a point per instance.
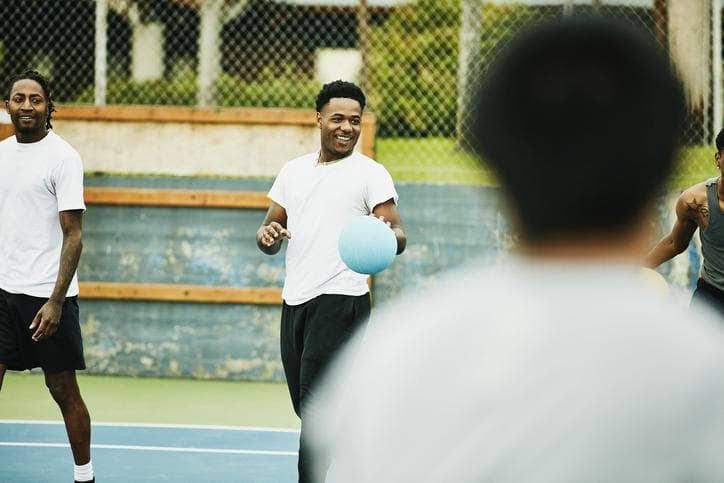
(319, 201)
(529, 372)
(37, 181)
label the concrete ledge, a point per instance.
(186, 141)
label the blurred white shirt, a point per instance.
(532, 371)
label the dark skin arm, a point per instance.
(46, 320)
(691, 211)
(388, 213)
(273, 230)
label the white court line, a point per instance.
(154, 448)
(160, 425)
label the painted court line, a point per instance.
(160, 425)
(155, 448)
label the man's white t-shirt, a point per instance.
(37, 181)
(544, 372)
(320, 199)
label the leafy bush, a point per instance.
(232, 92)
(414, 64)
(282, 92)
(413, 72)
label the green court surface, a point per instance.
(150, 400)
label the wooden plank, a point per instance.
(6, 130)
(157, 292)
(176, 197)
(194, 115)
(367, 138)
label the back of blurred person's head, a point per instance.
(580, 118)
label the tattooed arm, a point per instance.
(692, 212)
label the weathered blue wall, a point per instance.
(211, 246)
(446, 225)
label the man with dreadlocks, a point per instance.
(41, 207)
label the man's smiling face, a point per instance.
(28, 108)
(340, 122)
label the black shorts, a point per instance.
(311, 335)
(63, 351)
(708, 295)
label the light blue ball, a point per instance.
(367, 245)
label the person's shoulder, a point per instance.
(455, 297)
(60, 145)
(363, 159)
(695, 341)
(435, 314)
(304, 158)
(692, 199)
(300, 162)
(367, 164)
(695, 192)
(8, 142)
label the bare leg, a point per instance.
(3, 368)
(63, 387)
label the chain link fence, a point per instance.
(414, 58)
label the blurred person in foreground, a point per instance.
(700, 207)
(41, 211)
(312, 199)
(560, 364)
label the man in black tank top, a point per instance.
(702, 207)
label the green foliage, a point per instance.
(281, 92)
(413, 67)
(232, 92)
(431, 160)
(695, 164)
(156, 92)
(439, 160)
(414, 64)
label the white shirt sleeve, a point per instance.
(276, 193)
(68, 182)
(380, 187)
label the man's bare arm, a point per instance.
(689, 210)
(273, 230)
(47, 319)
(388, 212)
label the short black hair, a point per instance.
(44, 84)
(581, 118)
(340, 88)
(720, 140)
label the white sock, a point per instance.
(83, 472)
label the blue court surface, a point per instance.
(38, 452)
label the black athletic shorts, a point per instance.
(63, 351)
(708, 295)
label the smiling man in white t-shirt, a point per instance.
(41, 208)
(313, 197)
